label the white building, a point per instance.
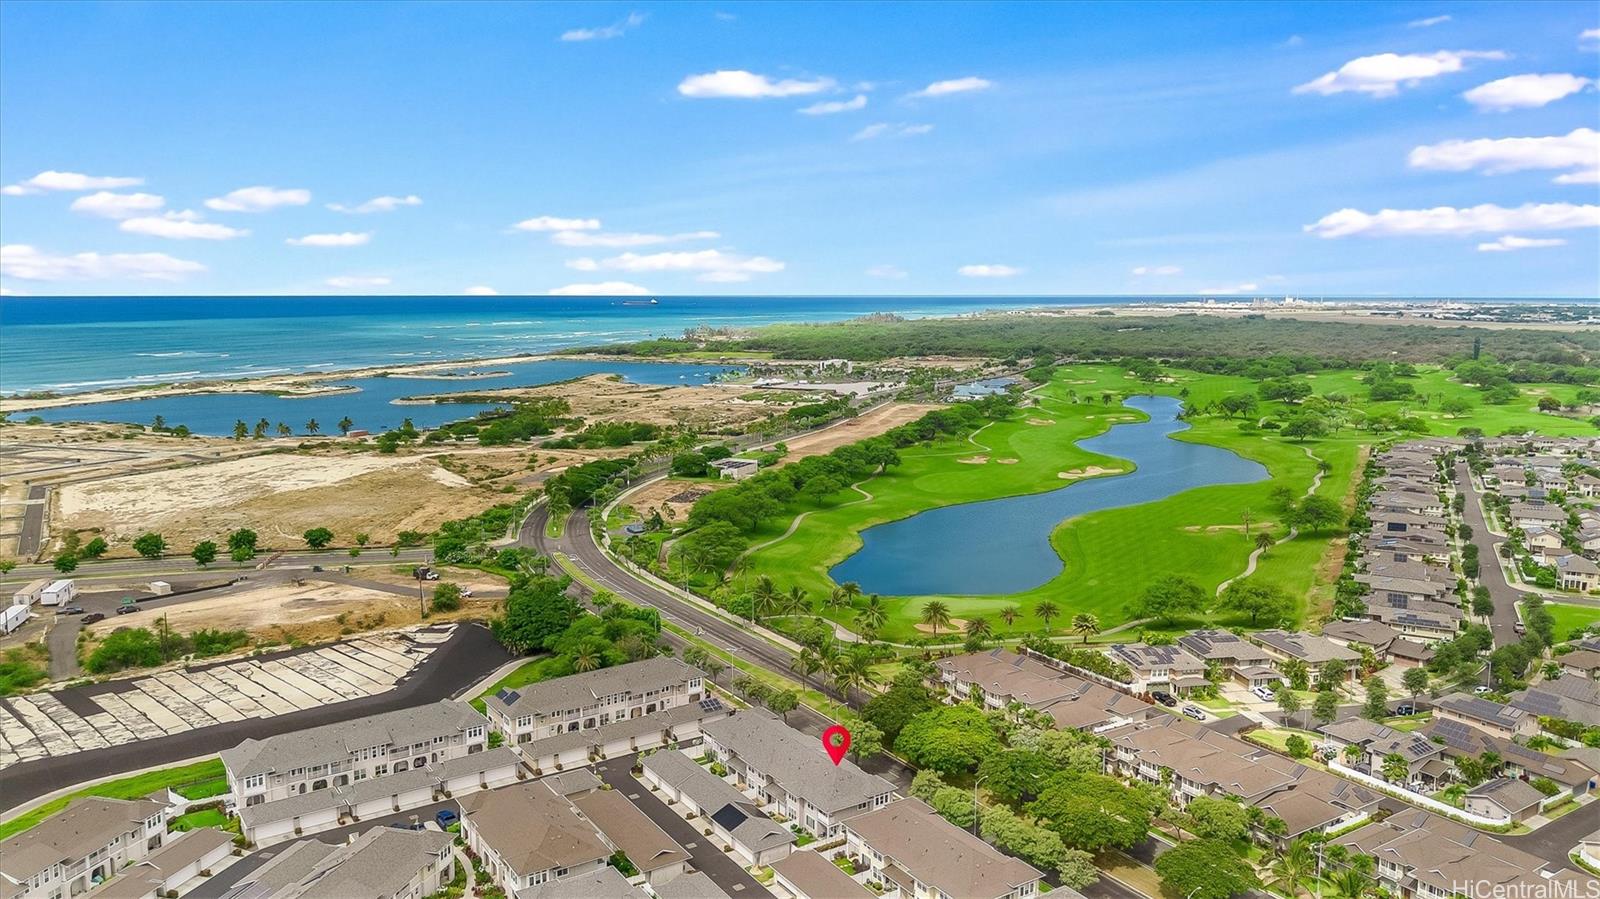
(383, 863)
(30, 594)
(526, 836)
(59, 593)
(593, 699)
(89, 842)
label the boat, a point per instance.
(650, 302)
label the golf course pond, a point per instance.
(1002, 546)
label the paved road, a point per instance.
(467, 657)
(180, 565)
(723, 869)
(1505, 597)
(32, 533)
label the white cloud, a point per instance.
(829, 107)
(52, 180)
(889, 272)
(954, 86)
(31, 264)
(621, 239)
(607, 32)
(480, 290)
(106, 204)
(1292, 41)
(1524, 91)
(1230, 290)
(1579, 150)
(738, 84)
(1384, 74)
(358, 282)
(988, 271)
(601, 289)
(378, 204)
(554, 223)
(342, 239)
(712, 265)
(1447, 220)
(1510, 242)
(1158, 270)
(8, 292)
(258, 199)
(890, 129)
(1588, 35)
(185, 225)
(1428, 22)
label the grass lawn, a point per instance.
(134, 787)
(204, 789)
(1409, 723)
(1569, 618)
(528, 673)
(206, 817)
(1111, 556)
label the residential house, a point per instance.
(1504, 799)
(526, 835)
(809, 875)
(1586, 485)
(1569, 698)
(1238, 658)
(1311, 649)
(733, 819)
(1516, 760)
(1580, 663)
(383, 863)
(915, 853)
(1424, 759)
(1492, 717)
(1415, 618)
(91, 840)
(1574, 572)
(689, 886)
(1159, 668)
(599, 883)
(658, 856)
(783, 767)
(1537, 514)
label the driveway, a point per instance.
(723, 869)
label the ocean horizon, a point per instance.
(81, 344)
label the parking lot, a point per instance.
(41, 724)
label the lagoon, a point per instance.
(371, 403)
(1002, 546)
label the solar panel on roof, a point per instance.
(729, 817)
(710, 705)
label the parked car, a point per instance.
(445, 818)
(408, 825)
(1264, 693)
(127, 610)
(1405, 709)
(92, 617)
(1481, 689)
(70, 610)
(316, 568)
(1519, 627)
(1164, 698)
(1194, 712)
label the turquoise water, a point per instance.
(1003, 546)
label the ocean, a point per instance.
(73, 345)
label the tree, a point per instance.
(1255, 599)
(1045, 611)
(1415, 680)
(1169, 598)
(317, 538)
(1304, 427)
(1218, 819)
(241, 554)
(978, 629)
(1077, 869)
(1296, 672)
(150, 545)
(1010, 614)
(95, 548)
(1316, 513)
(1395, 769)
(446, 597)
(1264, 541)
(894, 708)
(204, 553)
(1297, 746)
(1377, 705)
(783, 702)
(712, 547)
(7, 566)
(865, 739)
(284, 430)
(935, 615)
(65, 561)
(1289, 703)
(1014, 774)
(345, 424)
(807, 663)
(1352, 883)
(1094, 812)
(586, 658)
(363, 539)
(1325, 707)
(240, 430)
(261, 428)
(951, 740)
(312, 426)
(872, 616)
(1292, 866)
(1086, 625)
(537, 610)
(242, 539)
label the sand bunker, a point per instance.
(1040, 421)
(973, 460)
(1090, 472)
(1007, 461)
(956, 625)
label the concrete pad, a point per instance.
(336, 665)
(200, 696)
(134, 720)
(396, 658)
(20, 738)
(306, 685)
(192, 715)
(359, 662)
(110, 728)
(55, 740)
(156, 712)
(82, 732)
(270, 702)
(286, 693)
(302, 667)
(236, 700)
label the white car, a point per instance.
(1480, 689)
(1264, 693)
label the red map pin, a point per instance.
(836, 740)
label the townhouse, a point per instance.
(1169, 669)
(915, 853)
(658, 857)
(526, 835)
(1461, 740)
(808, 875)
(90, 841)
(1072, 702)
(728, 814)
(783, 767)
(383, 863)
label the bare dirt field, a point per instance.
(660, 494)
(861, 427)
(709, 409)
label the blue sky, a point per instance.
(729, 148)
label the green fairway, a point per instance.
(1569, 618)
(1112, 555)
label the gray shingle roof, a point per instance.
(331, 742)
(795, 762)
(579, 690)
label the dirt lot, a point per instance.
(859, 428)
(659, 494)
(708, 409)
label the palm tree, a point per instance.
(837, 598)
(872, 616)
(1352, 883)
(851, 591)
(284, 430)
(160, 424)
(1264, 540)
(1009, 615)
(345, 424)
(1046, 610)
(764, 597)
(796, 601)
(312, 427)
(1247, 522)
(807, 663)
(1395, 768)
(585, 659)
(713, 666)
(1292, 866)
(936, 614)
(1085, 624)
(978, 628)
(1296, 672)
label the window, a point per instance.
(380, 770)
(401, 766)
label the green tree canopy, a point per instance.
(949, 739)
